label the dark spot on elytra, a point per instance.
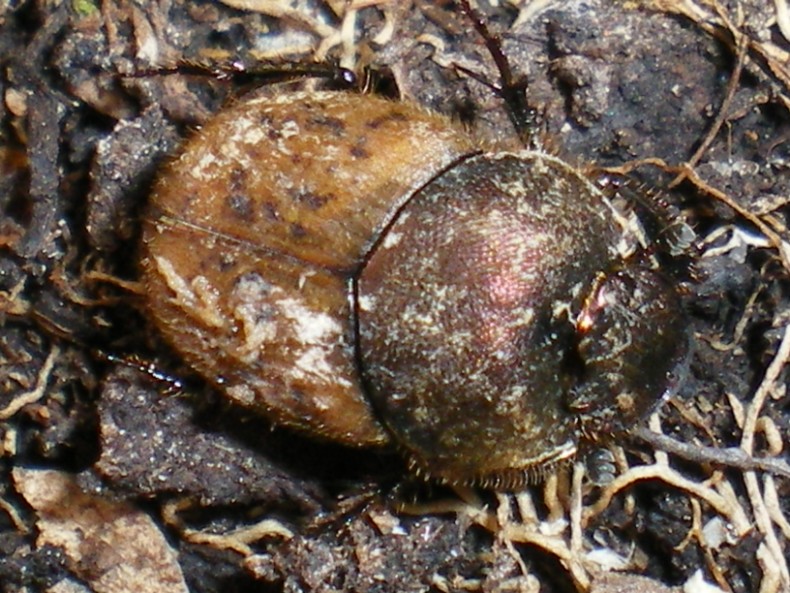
(252, 278)
(332, 125)
(299, 396)
(358, 151)
(269, 124)
(298, 231)
(311, 199)
(226, 263)
(276, 128)
(270, 211)
(237, 179)
(392, 117)
(240, 206)
(216, 262)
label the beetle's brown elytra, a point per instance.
(253, 236)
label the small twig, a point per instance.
(131, 286)
(774, 506)
(37, 392)
(766, 385)
(281, 9)
(734, 457)
(505, 517)
(719, 503)
(781, 246)
(238, 540)
(554, 546)
(576, 508)
(711, 17)
(778, 564)
(724, 110)
(13, 514)
(783, 18)
(512, 90)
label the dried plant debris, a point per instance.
(173, 485)
(110, 546)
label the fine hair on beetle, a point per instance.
(361, 270)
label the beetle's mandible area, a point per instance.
(512, 316)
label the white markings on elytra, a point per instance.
(318, 335)
(366, 302)
(196, 296)
(268, 317)
(272, 316)
(249, 300)
(391, 239)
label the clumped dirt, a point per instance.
(688, 97)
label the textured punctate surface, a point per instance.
(467, 313)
